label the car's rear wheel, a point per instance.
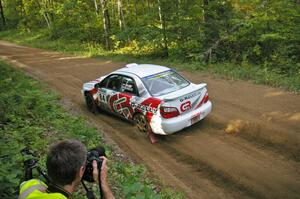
(90, 103)
(141, 123)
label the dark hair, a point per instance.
(64, 161)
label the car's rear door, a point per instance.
(117, 93)
(109, 87)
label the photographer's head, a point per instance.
(66, 162)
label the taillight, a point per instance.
(206, 98)
(203, 101)
(168, 112)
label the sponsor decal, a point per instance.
(189, 96)
(158, 75)
(143, 108)
(102, 96)
(185, 106)
(119, 104)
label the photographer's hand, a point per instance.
(107, 194)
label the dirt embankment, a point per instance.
(248, 147)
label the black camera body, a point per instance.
(92, 155)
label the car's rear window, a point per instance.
(164, 83)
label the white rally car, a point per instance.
(156, 98)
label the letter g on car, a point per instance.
(185, 106)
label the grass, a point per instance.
(31, 115)
(245, 71)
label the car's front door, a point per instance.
(109, 87)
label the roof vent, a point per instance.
(131, 65)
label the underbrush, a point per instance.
(256, 73)
(31, 116)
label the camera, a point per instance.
(92, 155)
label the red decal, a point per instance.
(119, 103)
(152, 103)
(185, 106)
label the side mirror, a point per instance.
(97, 85)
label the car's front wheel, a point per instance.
(90, 103)
(141, 123)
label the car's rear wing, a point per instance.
(173, 97)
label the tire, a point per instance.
(90, 103)
(141, 123)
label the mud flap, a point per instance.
(152, 136)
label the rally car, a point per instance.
(156, 98)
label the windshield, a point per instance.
(164, 83)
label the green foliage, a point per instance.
(135, 186)
(270, 36)
(30, 115)
(264, 35)
(255, 32)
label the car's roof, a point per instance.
(143, 70)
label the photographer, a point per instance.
(66, 162)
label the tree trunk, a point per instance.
(206, 56)
(96, 7)
(46, 14)
(23, 15)
(106, 23)
(148, 6)
(2, 14)
(135, 10)
(47, 20)
(163, 28)
(122, 24)
(204, 10)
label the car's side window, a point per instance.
(103, 83)
(128, 86)
(114, 82)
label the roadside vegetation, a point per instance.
(236, 39)
(31, 115)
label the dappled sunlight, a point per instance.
(19, 64)
(274, 94)
(270, 116)
(68, 58)
(295, 117)
(282, 116)
(48, 53)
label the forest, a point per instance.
(264, 33)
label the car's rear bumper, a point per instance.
(169, 126)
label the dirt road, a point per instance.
(248, 147)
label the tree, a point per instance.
(45, 9)
(264, 32)
(162, 21)
(122, 25)
(106, 23)
(2, 14)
